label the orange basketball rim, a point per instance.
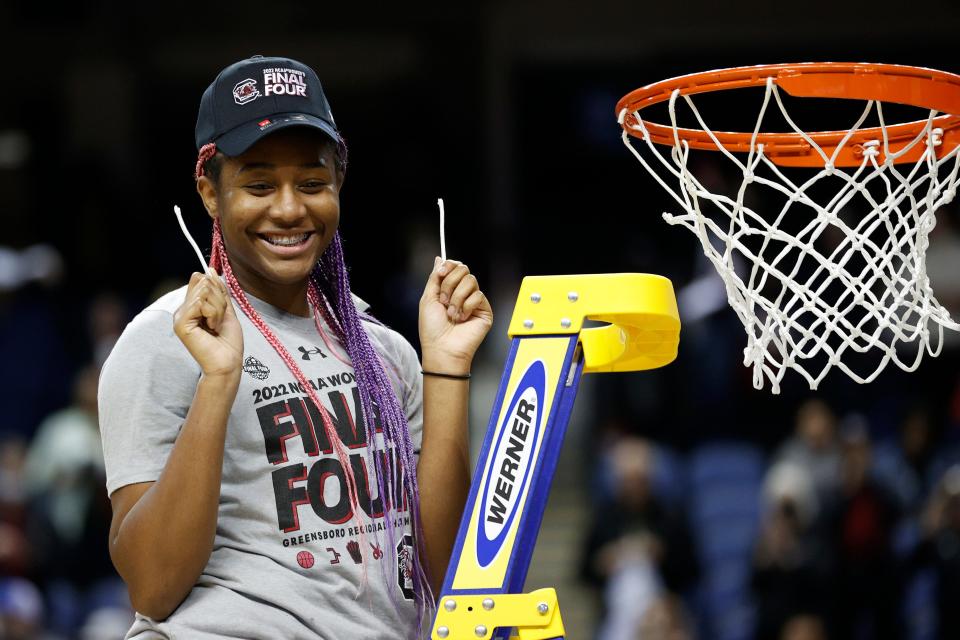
(938, 91)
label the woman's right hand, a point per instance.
(207, 325)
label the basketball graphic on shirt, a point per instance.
(305, 559)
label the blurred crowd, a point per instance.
(56, 578)
(837, 532)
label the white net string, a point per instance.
(834, 276)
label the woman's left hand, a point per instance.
(454, 318)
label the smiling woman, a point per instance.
(294, 175)
(253, 506)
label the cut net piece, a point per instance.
(832, 272)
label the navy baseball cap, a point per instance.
(255, 97)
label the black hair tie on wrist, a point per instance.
(452, 376)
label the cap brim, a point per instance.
(239, 139)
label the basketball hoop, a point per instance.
(836, 272)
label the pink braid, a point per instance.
(219, 259)
(318, 303)
(207, 151)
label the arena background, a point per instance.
(506, 110)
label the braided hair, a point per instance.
(330, 297)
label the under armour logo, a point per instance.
(310, 352)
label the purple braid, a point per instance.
(377, 397)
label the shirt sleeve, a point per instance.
(146, 388)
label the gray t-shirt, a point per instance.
(286, 561)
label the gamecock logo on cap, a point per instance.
(245, 91)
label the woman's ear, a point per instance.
(208, 193)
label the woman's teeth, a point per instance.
(286, 241)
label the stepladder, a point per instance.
(562, 327)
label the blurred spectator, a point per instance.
(792, 564)
(867, 576)
(636, 544)
(31, 344)
(804, 627)
(632, 587)
(906, 465)
(21, 610)
(666, 619)
(941, 548)
(790, 486)
(66, 444)
(814, 447)
(70, 512)
(38, 263)
(14, 549)
(107, 318)
(107, 623)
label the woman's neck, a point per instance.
(291, 298)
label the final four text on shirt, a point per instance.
(297, 420)
(280, 82)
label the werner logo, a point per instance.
(508, 475)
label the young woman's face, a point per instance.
(279, 206)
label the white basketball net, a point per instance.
(848, 278)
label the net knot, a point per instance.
(871, 148)
(935, 139)
(752, 353)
